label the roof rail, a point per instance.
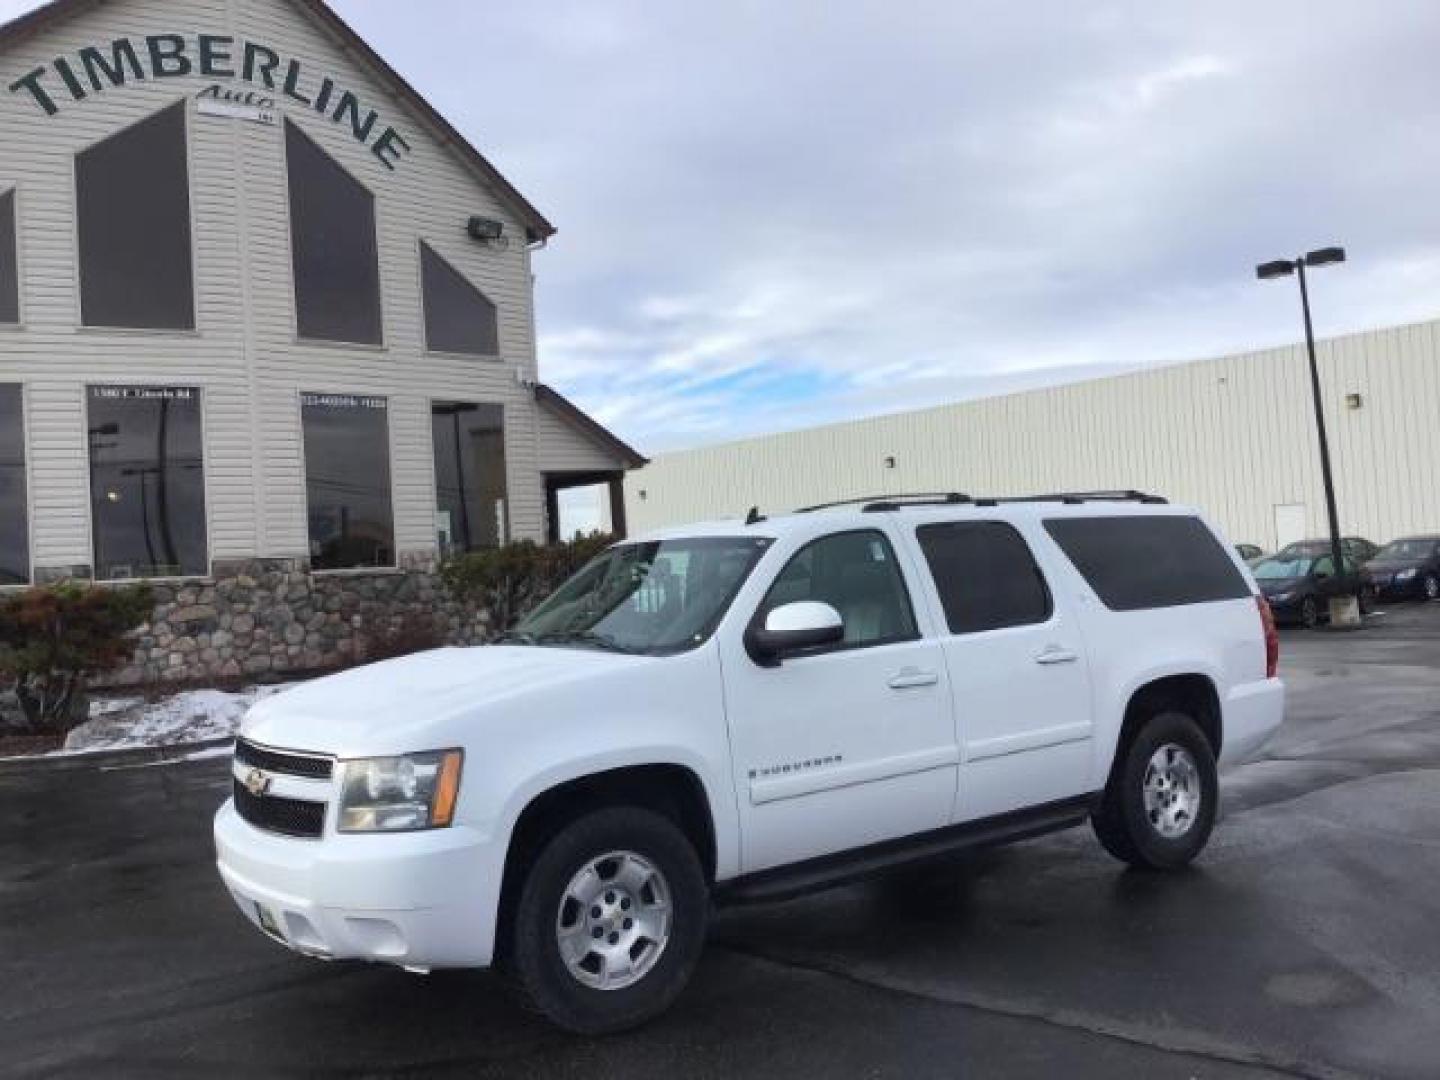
(871, 504)
(1077, 497)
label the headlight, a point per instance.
(400, 794)
(1406, 575)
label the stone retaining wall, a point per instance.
(273, 617)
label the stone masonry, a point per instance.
(271, 618)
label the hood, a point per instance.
(389, 707)
(1390, 566)
(1275, 586)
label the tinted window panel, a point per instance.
(985, 574)
(856, 574)
(332, 243)
(133, 202)
(14, 529)
(147, 482)
(470, 501)
(9, 261)
(347, 481)
(1148, 562)
(458, 317)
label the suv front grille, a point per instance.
(310, 766)
(273, 813)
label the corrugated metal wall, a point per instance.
(1235, 435)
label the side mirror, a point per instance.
(793, 628)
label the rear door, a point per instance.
(849, 744)
(1018, 672)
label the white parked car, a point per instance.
(732, 712)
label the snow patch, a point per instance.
(188, 717)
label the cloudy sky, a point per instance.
(779, 214)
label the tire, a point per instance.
(1171, 740)
(610, 851)
(1309, 613)
(1430, 587)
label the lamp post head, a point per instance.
(1278, 268)
(1325, 256)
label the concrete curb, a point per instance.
(139, 755)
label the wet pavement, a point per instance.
(1302, 944)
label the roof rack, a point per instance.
(873, 504)
(1075, 498)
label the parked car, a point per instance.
(1406, 568)
(1250, 553)
(738, 712)
(1299, 586)
(1356, 547)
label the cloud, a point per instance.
(773, 215)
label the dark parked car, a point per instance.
(1299, 587)
(1356, 547)
(1408, 567)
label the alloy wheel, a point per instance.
(1172, 791)
(614, 920)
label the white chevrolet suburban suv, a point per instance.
(731, 712)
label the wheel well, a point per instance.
(673, 791)
(1194, 694)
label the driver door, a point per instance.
(847, 744)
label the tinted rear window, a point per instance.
(1149, 562)
(985, 574)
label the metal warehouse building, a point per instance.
(265, 317)
(1234, 435)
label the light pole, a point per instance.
(1344, 606)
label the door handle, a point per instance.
(1054, 654)
(907, 678)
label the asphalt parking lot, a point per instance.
(1303, 944)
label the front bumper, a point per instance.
(1388, 588)
(422, 899)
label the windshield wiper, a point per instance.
(515, 637)
(585, 637)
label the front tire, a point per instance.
(1159, 807)
(1309, 613)
(610, 921)
(1430, 587)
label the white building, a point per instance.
(1235, 435)
(258, 301)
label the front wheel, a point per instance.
(610, 921)
(1159, 806)
(1430, 587)
(1309, 613)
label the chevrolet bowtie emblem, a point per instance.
(257, 782)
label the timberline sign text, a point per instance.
(95, 68)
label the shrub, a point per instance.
(513, 579)
(409, 633)
(53, 638)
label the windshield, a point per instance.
(1280, 568)
(653, 598)
(1408, 549)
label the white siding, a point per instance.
(1235, 436)
(564, 449)
(244, 353)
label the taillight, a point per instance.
(1272, 638)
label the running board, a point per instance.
(812, 875)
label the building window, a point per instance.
(347, 481)
(147, 482)
(332, 246)
(132, 196)
(14, 526)
(985, 574)
(470, 502)
(458, 317)
(9, 261)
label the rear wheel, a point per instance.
(610, 921)
(1159, 806)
